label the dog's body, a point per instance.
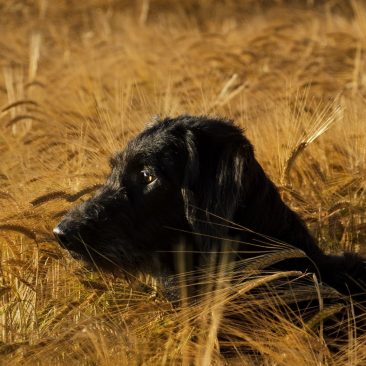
(190, 178)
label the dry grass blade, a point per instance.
(35, 46)
(250, 285)
(263, 261)
(231, 88)
(324, 314)
(226, 264)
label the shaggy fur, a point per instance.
(189, 179)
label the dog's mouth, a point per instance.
(77, 247)
(93, 260)
(117, 254)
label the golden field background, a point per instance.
(78, 79)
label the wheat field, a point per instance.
(78, 79)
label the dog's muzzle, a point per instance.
(61, 237)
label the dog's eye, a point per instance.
(147, 177)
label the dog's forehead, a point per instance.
(147, 148)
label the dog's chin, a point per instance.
(104, 264)
(87, 262)
(75, 255)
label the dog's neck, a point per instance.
(264, 212)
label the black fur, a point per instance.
(205, 170)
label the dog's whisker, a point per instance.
(238, 227)
(128, 274)
(259, 244)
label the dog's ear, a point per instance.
(218, 154)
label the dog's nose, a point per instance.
(60, 235)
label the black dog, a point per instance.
(190, 178)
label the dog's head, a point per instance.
(173, 179)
